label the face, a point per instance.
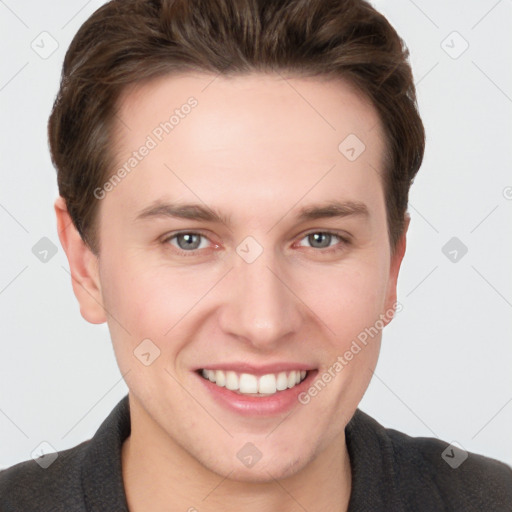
(272, 278)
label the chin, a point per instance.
(263, 474)
(264, 470)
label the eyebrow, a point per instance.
(196, 211)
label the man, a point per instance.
(233, 181)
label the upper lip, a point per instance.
(258, 370)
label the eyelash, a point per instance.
(328, 250)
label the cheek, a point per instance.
(149, 300)
(347, 298)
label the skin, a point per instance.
(256, 150)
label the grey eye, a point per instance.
(188, 240)
(320, 240)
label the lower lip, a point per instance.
(279, 402)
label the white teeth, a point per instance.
(231, 381)
(220, 378)
(209, 374)
(282, 381)
(267, 384)
(246, 383)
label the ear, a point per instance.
(83, 265)
(394, 269)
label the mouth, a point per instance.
(256, 391)
(249, 384)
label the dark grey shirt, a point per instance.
(391, 471)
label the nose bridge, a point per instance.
(261, 308)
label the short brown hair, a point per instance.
(127, 41)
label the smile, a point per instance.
(253, 385)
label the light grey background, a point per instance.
(445, 364)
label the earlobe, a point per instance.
(83, 265)
(394, 269)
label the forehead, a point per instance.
(263, 135)
(267, 102)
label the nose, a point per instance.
(261, 308)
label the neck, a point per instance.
(158, 472)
